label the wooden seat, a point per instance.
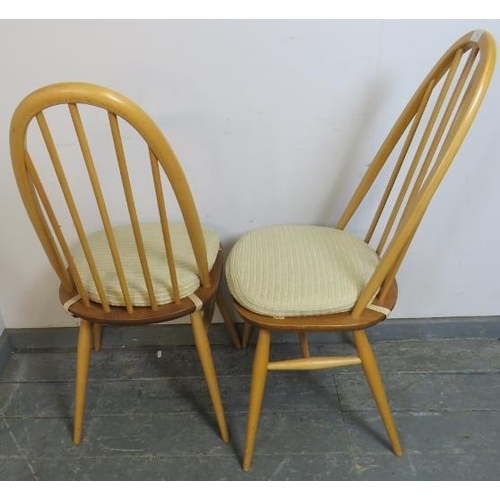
(85, 205)
(411, 163)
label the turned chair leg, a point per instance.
(304, 345)
(96, 336)
(247, 331)
(208, 314)
(259, 375)
(207, 365)
(228, 320)
(82, 371)
(372, 373)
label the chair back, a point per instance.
(417, 153)
(52, 217)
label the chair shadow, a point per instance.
(347, 177)
(369, 430)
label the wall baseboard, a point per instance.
(175, 335)
(5, 349)
(159, 336)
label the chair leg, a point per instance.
(228, 320)
(304, 345)
(247, 331)
(82, 371)
(97, 336)
(207, 365)
(259, 375)
(208, 314)
(372, 373)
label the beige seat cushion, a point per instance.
(285, 271)
(187, 272)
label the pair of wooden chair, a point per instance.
(118, 271)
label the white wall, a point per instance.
(274, 122)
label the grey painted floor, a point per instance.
(149, 417)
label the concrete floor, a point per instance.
(149, 417)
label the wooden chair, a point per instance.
(307, 278)
(131, 274)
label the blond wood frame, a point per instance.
(446, 127)
(43, 217)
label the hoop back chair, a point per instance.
(309, 278)
(130, 274)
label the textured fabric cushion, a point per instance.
(285, 271)
(187, 273)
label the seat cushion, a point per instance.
(187, 271)
(284, 271)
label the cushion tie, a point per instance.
(196, 301)
(380, 309)
(70, 302)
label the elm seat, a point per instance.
(185, 263)
(284, 271)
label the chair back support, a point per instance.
(44, 212)
(420, 148)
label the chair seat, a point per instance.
(284, 271)
(185, 263)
